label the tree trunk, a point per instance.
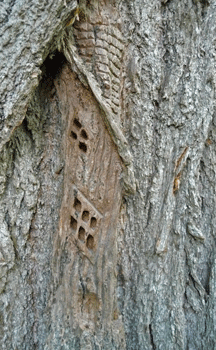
(107, 175)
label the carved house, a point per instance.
(97, 169)
(90, 208)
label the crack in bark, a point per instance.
(151, 338)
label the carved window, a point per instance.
(84, 222)
(79, 134)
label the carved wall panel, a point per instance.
(93, 167)
(86, 251)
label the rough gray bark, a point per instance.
(152, 283)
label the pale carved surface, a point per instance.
(88, 218)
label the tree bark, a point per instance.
(107, 175)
